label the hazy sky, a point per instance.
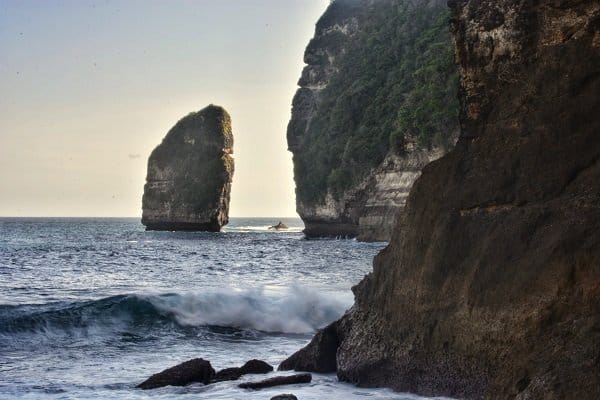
(89, 88)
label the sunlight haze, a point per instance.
(89, 88)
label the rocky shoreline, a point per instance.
(199, 370)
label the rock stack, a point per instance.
(189, 175)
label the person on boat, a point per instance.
(279, 226)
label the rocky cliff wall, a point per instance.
(189, 174)
(490, 287)
(356, 135)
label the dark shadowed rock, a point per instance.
(250, 367)
(318, 356)
(284, 397)
(277, 381)
(256, 367)
(228, 374)
(196, 370)
(189, 174)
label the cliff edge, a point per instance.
(189, 174)
(376, 103)
(490, 287)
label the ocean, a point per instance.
(89, 308)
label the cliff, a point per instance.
(376, 103)
(189, 174)
(490, 287)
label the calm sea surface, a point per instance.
(89, 308)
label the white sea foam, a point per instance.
(261, 229)
(293, 310)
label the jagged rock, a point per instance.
(318, 356)
(490, 287)
(196, 370)
(284, 397)
(277, 381)
(189, 174)
(250, 367)
(339, 193)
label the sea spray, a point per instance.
(294, 310)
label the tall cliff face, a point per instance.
(189, 174)
(377, 102)
(490, 287)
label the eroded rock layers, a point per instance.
(377, 102)
(490, 287)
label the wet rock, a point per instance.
(277, 381)
(196, 370)
(228, 374)
(256, 367)
(250, 367)
(318, 356)
(284, 397)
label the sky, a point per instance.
(89, 88)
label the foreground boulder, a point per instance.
(277, 381)
(284, 396)
(250, 367)
(192, 371)
(228, 374)
(490, 287)
(189, 176)
(256, 367)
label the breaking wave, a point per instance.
(294, 310)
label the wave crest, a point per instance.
(298, 310)
(294, 310)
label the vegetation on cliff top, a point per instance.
(396, 79)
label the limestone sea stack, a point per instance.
(377, 102)
(188, 183)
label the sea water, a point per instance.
(89, 308)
